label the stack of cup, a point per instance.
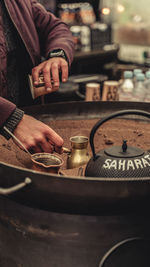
(92, 92)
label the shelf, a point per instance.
(94, 53)
(94, 61)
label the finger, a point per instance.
(47, 78)
(35, 74)
(54, 139)
(47, 147)
(58, 149)
(55, 75)
(34, 149)
(64, 70)
(34, 146)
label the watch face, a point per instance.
(57, 54)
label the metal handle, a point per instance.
(114, 115)
(16, 139)
(7, 191)
(66, 150)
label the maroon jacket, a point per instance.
(41, 32)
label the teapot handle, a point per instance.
(114, 115)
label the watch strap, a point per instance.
(12, 122)
(57, 53)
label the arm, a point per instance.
(54, 35)
(6, 109)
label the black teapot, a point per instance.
(118, 161)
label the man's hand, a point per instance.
(37, 136)
(50, 70)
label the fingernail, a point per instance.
(35, 82)
(56, 84)
(64, 80)
(49, 89)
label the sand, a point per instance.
(111, 133)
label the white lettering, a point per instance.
(145, 162)
(121, 165)
(138, 163)
(106, 164)
(147, 157)
(114, 164)
(130, 165)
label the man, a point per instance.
(27, 33)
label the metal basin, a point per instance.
(97, 222)
(90, 195)
(33, 237)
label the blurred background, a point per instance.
(111, 36)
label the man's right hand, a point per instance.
(37, 136)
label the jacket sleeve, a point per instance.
(53, 33)
(6, 109)
(10, 116)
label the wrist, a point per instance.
(57, 53)
(12, 122)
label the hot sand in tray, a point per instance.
(112, 133)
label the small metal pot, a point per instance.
(46, 162)
(78, 154)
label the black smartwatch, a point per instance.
(57, 53)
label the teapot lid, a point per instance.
(124, 151)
